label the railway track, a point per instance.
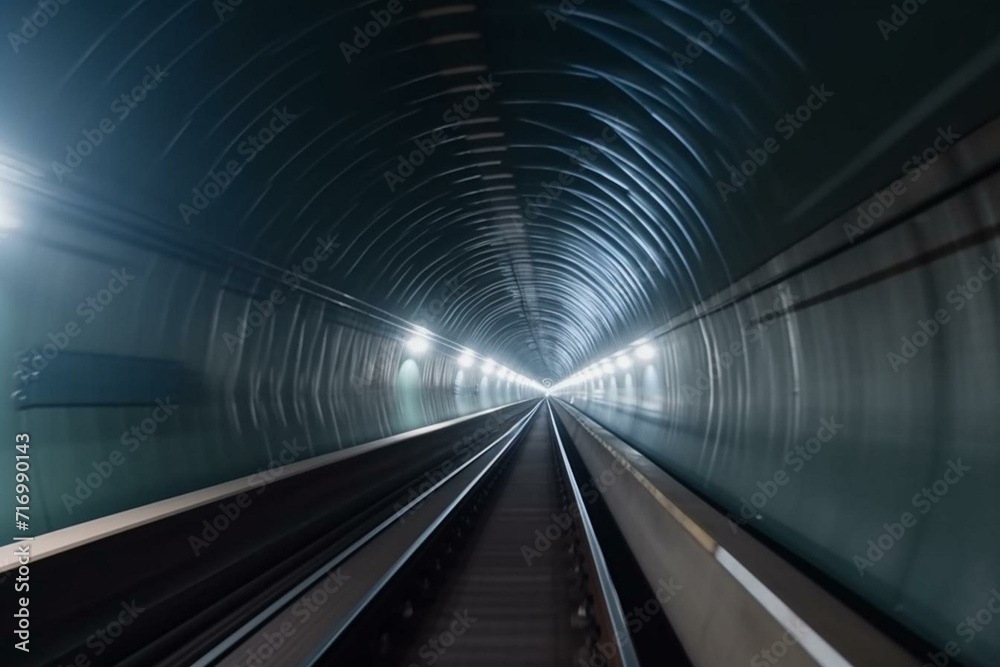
(515, 577)
(548, 542)
(511, 602)
(497, 564)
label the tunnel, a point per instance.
(524, 332)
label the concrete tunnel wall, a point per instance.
(311, 373)
(803, 408)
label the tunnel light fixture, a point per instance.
(623, 361)
(608, 368)
(645, 352)
(418, 342)
(466, 359)
(488, 367)
(7, 220)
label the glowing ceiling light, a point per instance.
(608, 368)
(488, 367)
(418, 343)
(466, 359)
(645, 352)
(624, 361)
(7, 220)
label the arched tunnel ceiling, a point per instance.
(483, 243)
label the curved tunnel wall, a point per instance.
(137, 381)
(555, 255)
(841, 387)
(579, 198)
